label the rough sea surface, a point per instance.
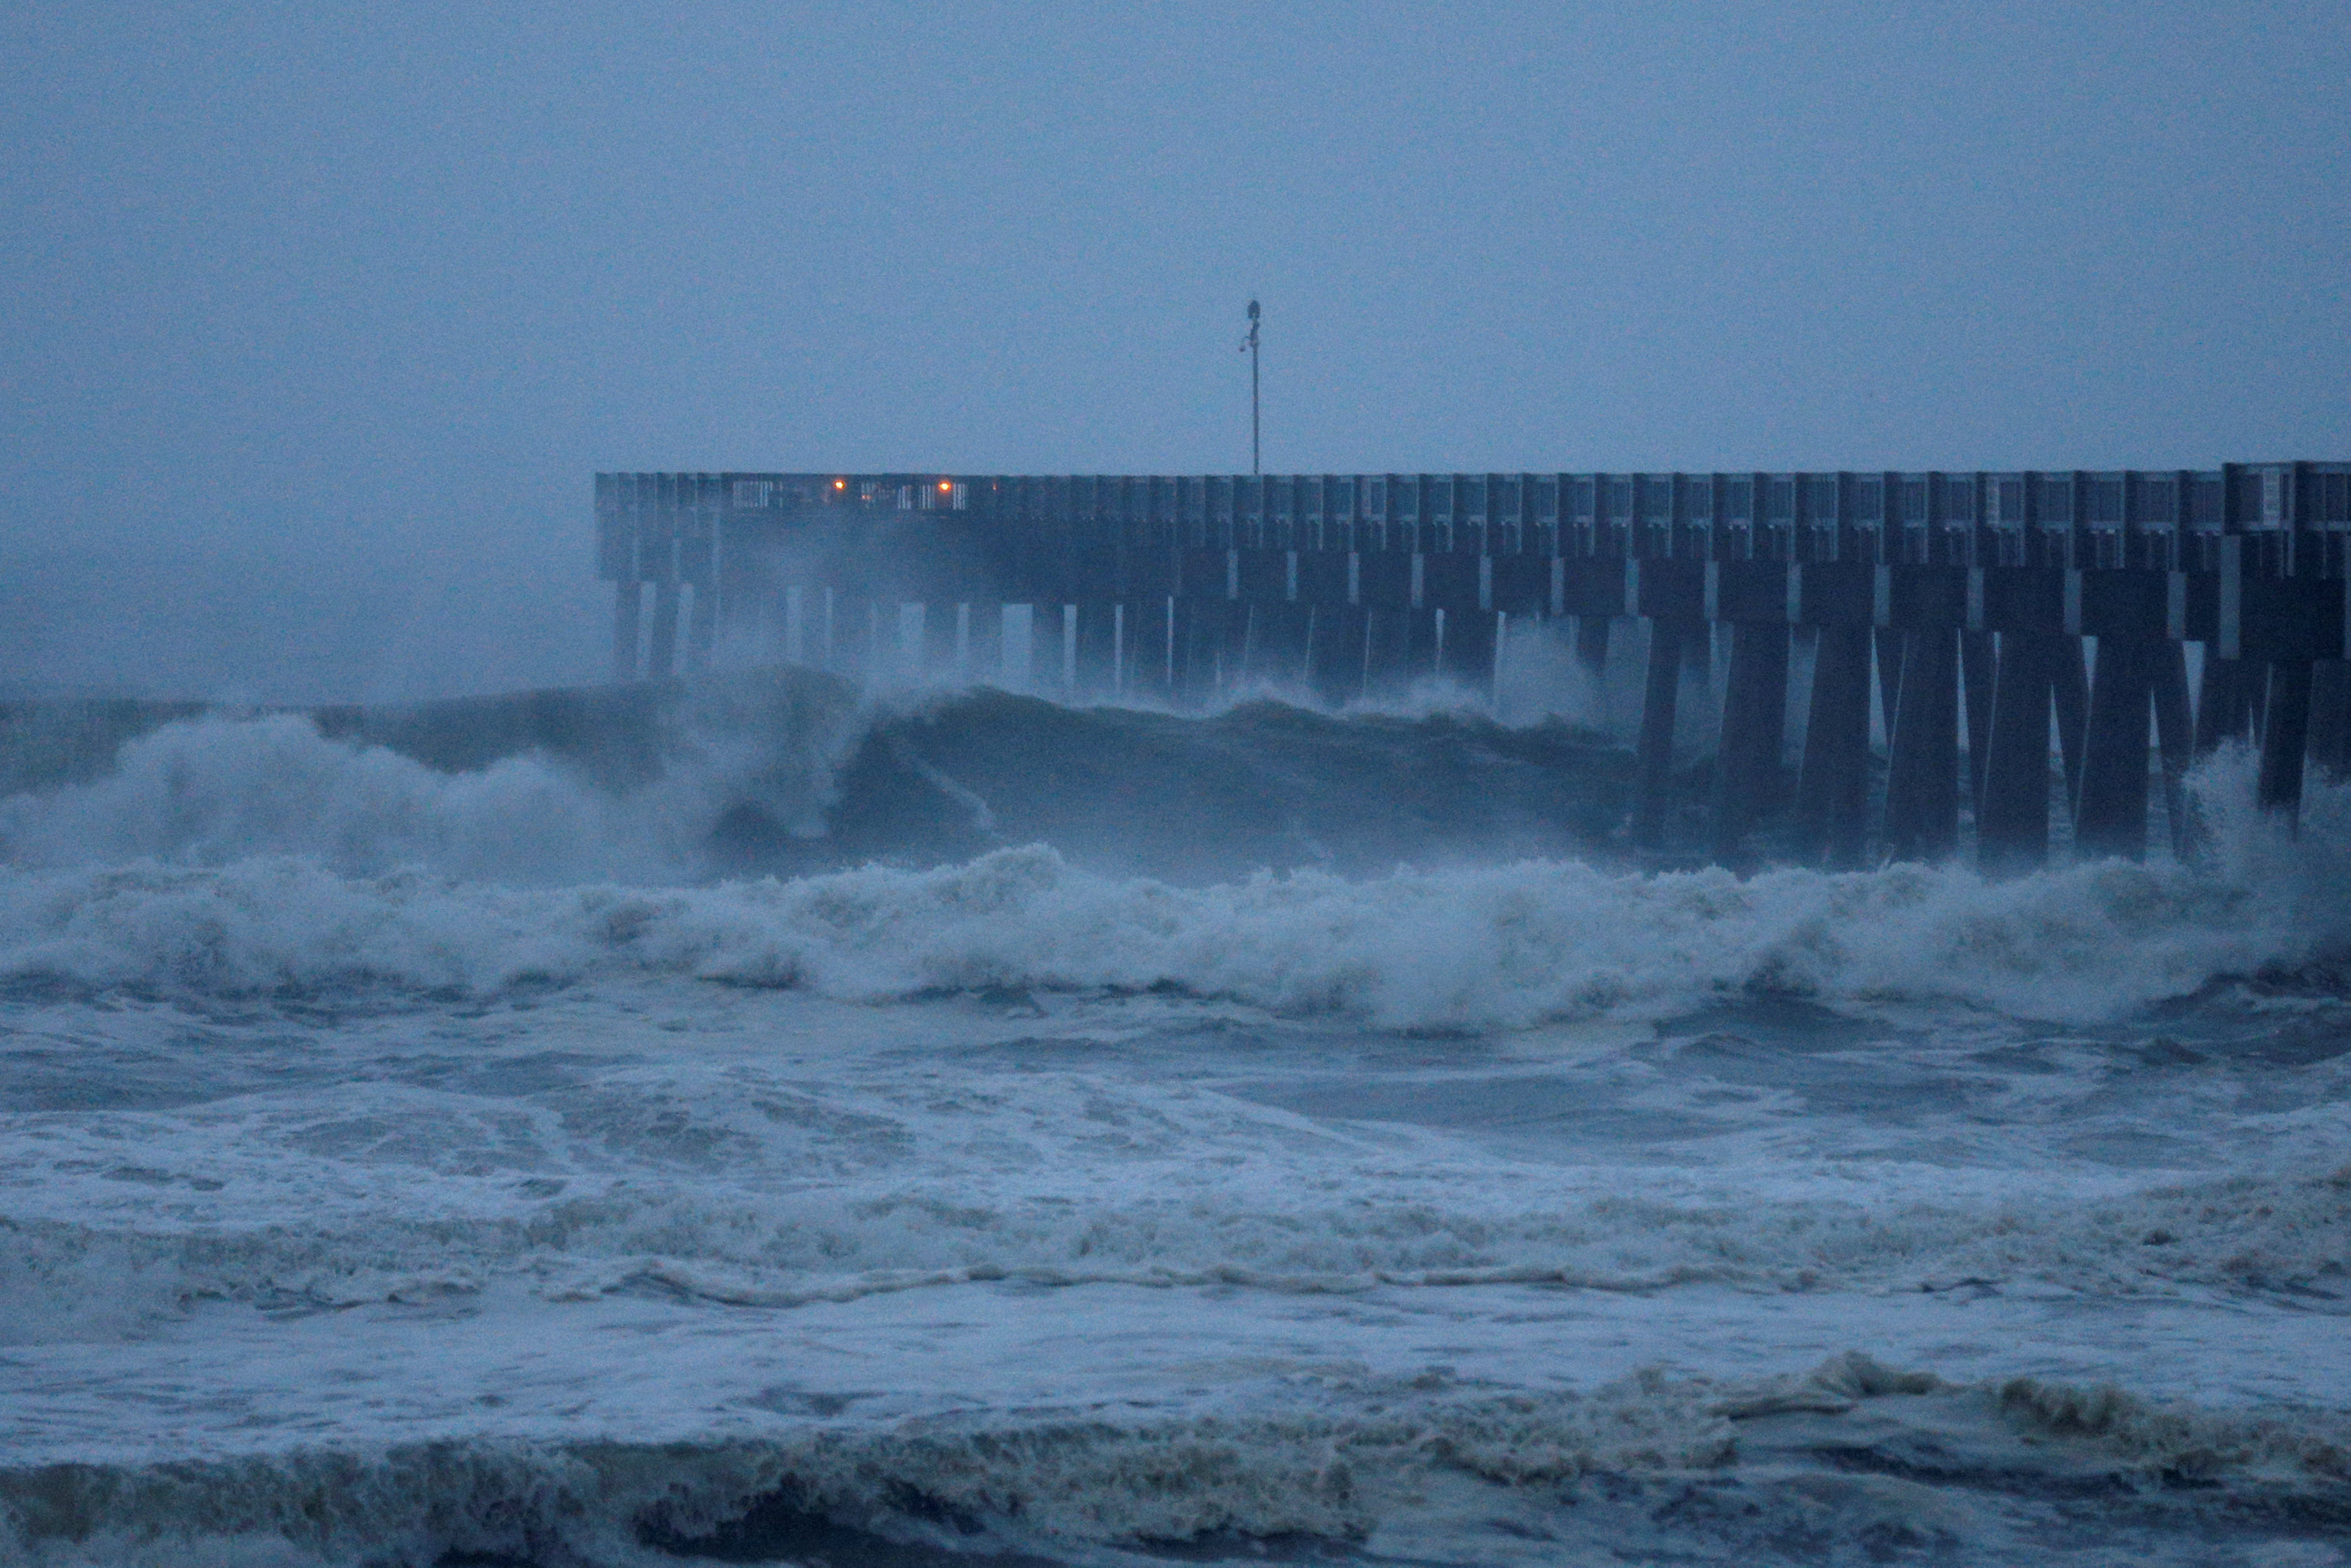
(780, 1124)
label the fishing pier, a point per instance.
(1958, 602)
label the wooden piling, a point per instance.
(1336, 653)
(1654, 753)
(2329, 749)
(1388, 650)
(1833, 783)
(2285, 732)
(1284, 643)
(1922, 804)
(1887, 644)
(1047, 676)
(1592, 644)
(1098, 653)
(1142, 649)
(628, 611)
(1698, 652)
(1746, 756)
(1470, 649)
(1420, 644)
(2069, 689)
(2225, 701)
(2110, 811)
(1977, 666)
(661, 658)
(2012, 827)
(700, 625)
(2175, 740)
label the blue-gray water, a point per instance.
(783, 1124)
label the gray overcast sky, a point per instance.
(322, 315)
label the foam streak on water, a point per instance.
(414, 1157)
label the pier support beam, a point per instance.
(2176, 740)
(1202, 629)
(661, 658)
(1239, 645)
(2285, 731)
(983, 642)
(628, 610)
(1754, 715)
(2069, 687)
(1698, 653)
(1335, 654)
(2330, 717)
(1833, 786)
(1420, 644)
(701, 626)
(1470, 650)
(1283, 651)
(1142, 649)
(1388, 649)
(1097, 648)
(1887, 644)
(2225, 702)
(2013, 829)
(1977, 665)
(1592, 644)
(1922, 800)
(2110, 812)
(1655, 753)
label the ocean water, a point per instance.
(770, 1123)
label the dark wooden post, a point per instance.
(1098, 659)
(628, 610)
(1886, 643)
(2176, 740)
(1470, 649)
(1977, 665)
(1655, 750)
(1832, 786)
(2013, 829)
(1592, 644)
(700, 625)
(661, 658)
(1419, 645)
(1143, 647)
(2330, 715)
(1201, 629)
(1698, 652)
(2110, 811)
(1922, 804)
(1754, 713)
(2226, 701)
(2285, 732)
(1336, 653)
(1388, 649)
(1289, 635)
(2069, 686)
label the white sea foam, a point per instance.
(682, 1112)
(735, 1187)
(256, 855)
(1460, 949)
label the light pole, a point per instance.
(1256, 464)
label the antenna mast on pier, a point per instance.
(1249, 347)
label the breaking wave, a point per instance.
(257, 857)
